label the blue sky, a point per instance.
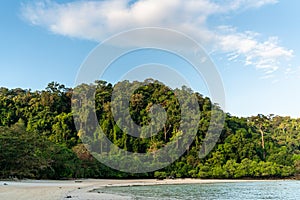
(254, 44)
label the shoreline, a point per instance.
(82, 189)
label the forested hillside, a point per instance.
(38, 138)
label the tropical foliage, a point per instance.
(39, 139)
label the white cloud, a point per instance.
(264, 55)
(245, 4)
(97, 20)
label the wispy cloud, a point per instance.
(292, 72)
(266, 55)
(97, 20)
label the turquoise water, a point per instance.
(237, 191)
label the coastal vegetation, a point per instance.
(39, 139)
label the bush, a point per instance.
(160, 175)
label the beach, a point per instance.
(84, 189)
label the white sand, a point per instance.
(80, 189)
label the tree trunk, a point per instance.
(263, 143)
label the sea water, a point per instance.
(237, 191)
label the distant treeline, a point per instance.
(38, 137)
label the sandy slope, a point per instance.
(80, 189)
